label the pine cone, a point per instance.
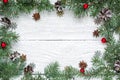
(96, 33)
(82, 64)
(14, 56)
(60, 11)
(117, 66)
(104, 15)
(28, 69)
(57, 4)
(59, 8)
(5, 20)
(36, 16)
(23, 57)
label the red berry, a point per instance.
(85, 6)
(5, 1)
(103, 40)
(82, 70)
(3, 44)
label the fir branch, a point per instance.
(102, 65)
(52, 70)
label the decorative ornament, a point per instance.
(28, 69)
(14, 56)
(23, 57)
(82, 66)
(5, 1)
(36, 16)
(103, 40)
(85, 6)
(3, 44)
(96, 33)
(82, 70)
(117, 66)
(59, 8)
(104, 15)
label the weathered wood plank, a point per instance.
(65, 52)
(53, 27)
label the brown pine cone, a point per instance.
(36, 16)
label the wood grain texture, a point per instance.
(66, 39)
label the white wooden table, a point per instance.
(66, 39)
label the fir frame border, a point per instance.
(102, 65)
